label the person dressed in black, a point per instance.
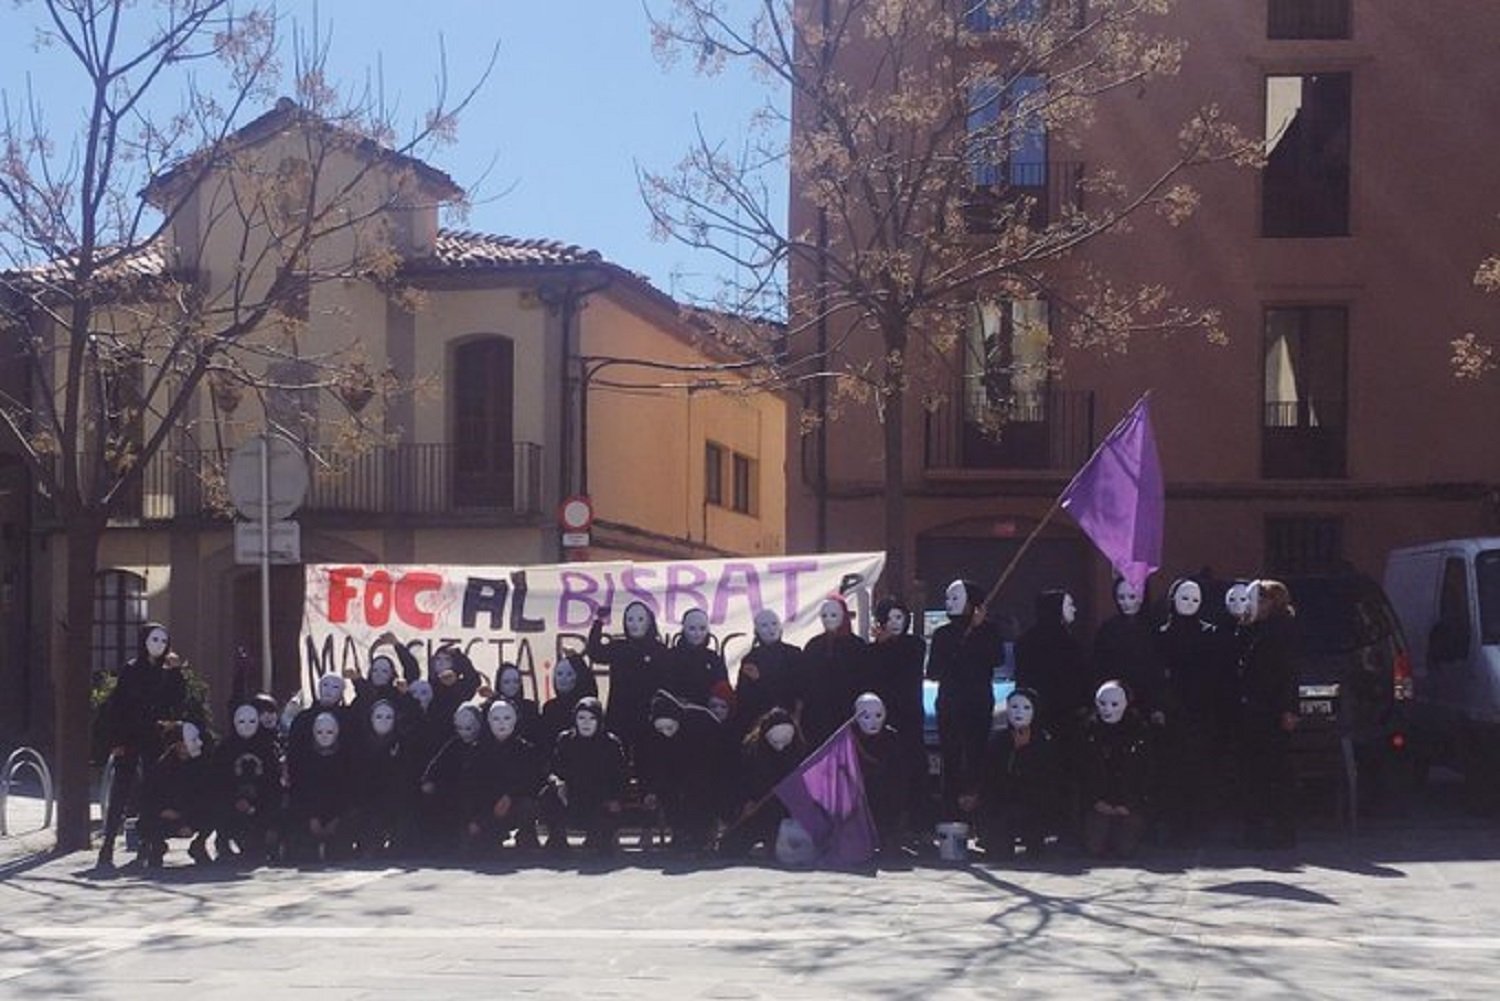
(681, 765)
(894, 663)
(888, 764)
(572, 681)
(246, 787)
(962, 660)
(1051, 662)
(1268, 704)
(1125, 647)
(637, 665)
(1189, 710)
(1020, 802)
(693, 665)
(511, 773)
(510, 686)
(1116, 773)
(386, 773)
(176, 797)
(768, 754)
(587, 782)
(328, 698)
(321, 795)
(771, 673)
(831, 666)
(454, 679)
(149, 690)
(453, 786)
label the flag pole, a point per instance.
(1056, 506)
(755, 807)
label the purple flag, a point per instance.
(1118, 500)
(826, 795)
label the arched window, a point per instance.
(119, 612)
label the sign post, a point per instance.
(268, 480)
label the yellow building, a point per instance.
(526, 358)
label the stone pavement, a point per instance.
(1408, 908)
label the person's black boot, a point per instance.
(106, 854)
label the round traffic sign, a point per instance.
(286, 485)
(576, 514)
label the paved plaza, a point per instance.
(1408, 907)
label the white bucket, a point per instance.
(953, 841)
(794, 846)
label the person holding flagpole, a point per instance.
(962, 660)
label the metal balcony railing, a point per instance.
(408, 480)
(1305, 439)
(1047, 190)
(1048, 430)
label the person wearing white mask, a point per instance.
(831, 666)
(1116, 770)
(1192, 743)
(693, 665)
(321, 781)
(637, 664)
(771, 674)
(587, 782)
(770, 751)
(964, 655)
(1022, 799)
(149, 688)
(246, 787)
(682, 768)
(176, 797)
(572, 681)
(511, 775)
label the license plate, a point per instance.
(1317, 707)
(934, 763)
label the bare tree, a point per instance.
(104, 223)
(911, 131)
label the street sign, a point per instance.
(575, 516)
(286, 484)
(286, 542)
(575, 540)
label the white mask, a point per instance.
(510, 682)
(421, 690)
(156, 644)
(587, 724)
(719, 708)
(780, 736)
(869, 714)
(382, 672)
(466, 724)
(442, 667)
(1187, 599)
(1110, 701)
(325, 731)
(246, 722)
(831, 614)
(695, 628)
(666, 726)
(564, 677)
(1069, 610)
(502, 720)
(637, 621)
(1019, 712)
(956, 599)
(330, 690)
(192, 740)
(1128, 598)
(1237, 602)
(895, 622)
(767, 626)
(383, 719)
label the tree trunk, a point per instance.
(895, 487)
(71, 681)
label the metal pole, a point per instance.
(265, 561)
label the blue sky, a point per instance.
(576, 100)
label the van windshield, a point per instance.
(1487, 570)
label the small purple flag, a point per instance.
(826, 795)
(1118, 500)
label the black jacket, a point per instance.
(894, 672)
(1116, 765)
(593, 767)
(1268, 674)
(1050, 661)
(637, 668)
(962, 661)
(691, 672)
(145, 694)
(831, 665)
(771, 674)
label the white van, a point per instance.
(1447, 595)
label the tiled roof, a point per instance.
(465, 250)
(142, 263)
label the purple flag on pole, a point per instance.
(1118, 500)
(826, 795)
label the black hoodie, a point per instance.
(593, 767)
(1125, 649)
(145, 694)
(1051, 662)
(637, 668)
(771, 675)
(692, 762)
(962, 660)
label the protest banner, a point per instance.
(530, 615)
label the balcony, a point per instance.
(1047, 431)
(1046, 191)
(1305, 440)
(407, 481)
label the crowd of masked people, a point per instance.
(1099, 741)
